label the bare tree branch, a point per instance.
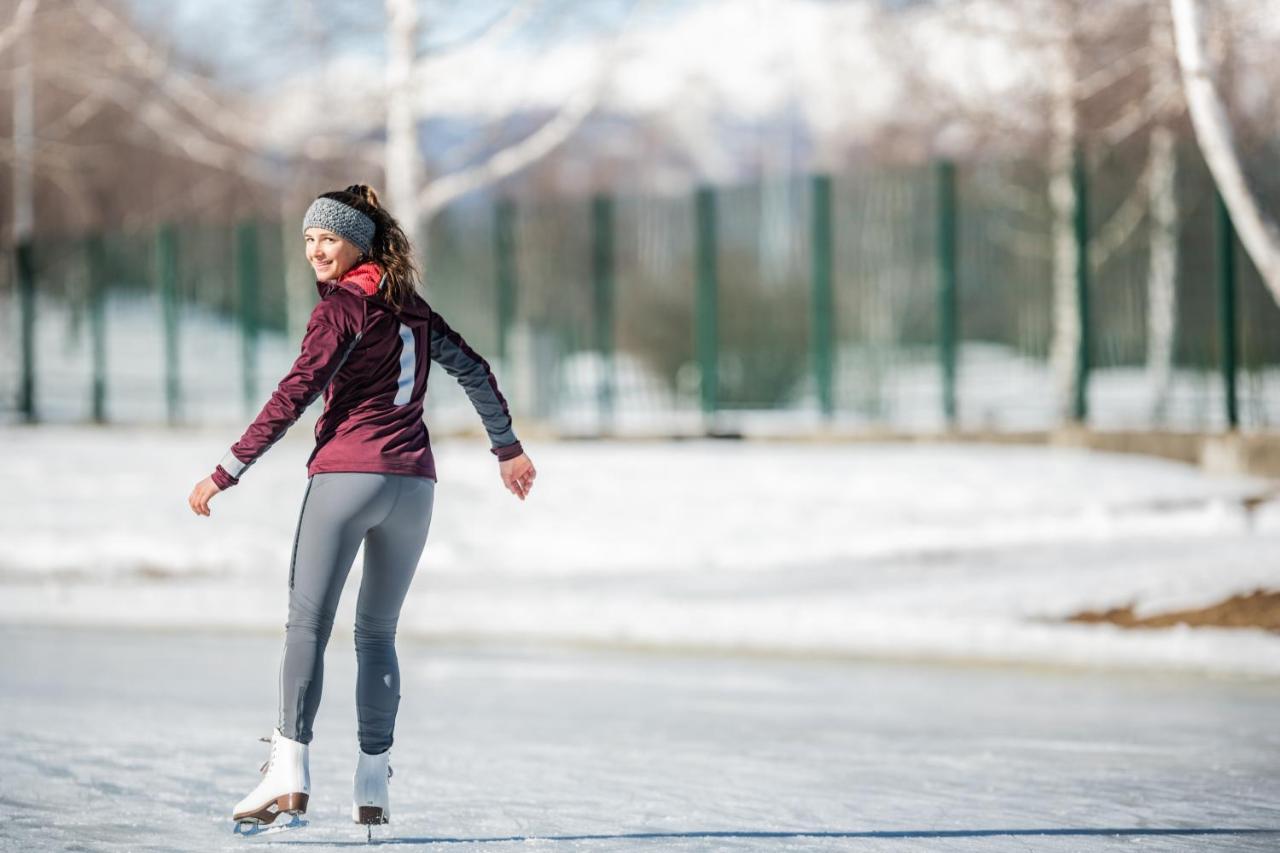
(1139, 115)
(1113, 72)
(443, 190)
(191, 96)
(173, 130)
(1122, 224)
(21, 20)
(496, 29)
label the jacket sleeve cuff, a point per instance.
(222, 479)
(507, 451)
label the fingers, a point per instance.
(199, 501)
(518, 476)
(518, 485)
(525, 481)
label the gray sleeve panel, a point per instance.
(464, 364)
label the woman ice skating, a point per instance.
(367, 348)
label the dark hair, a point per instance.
(391, 248)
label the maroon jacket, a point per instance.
(372, 366)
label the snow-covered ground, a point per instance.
(955, 552)
(144, 741)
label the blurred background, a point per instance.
(857, 342)
(653, 217)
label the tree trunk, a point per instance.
(1258, 233)
(1064, 345)
(402, 134)
(1162, 274)
(1162, 195)
(24, 122)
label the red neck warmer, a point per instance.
(366, 276)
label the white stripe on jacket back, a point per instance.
(408, 365)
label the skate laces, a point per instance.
(267, 763)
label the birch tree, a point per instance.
(415, 202)
(1258, 232)
(1065, 343)
(17, 36)
(1162, 230)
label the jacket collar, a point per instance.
(365, 279)
(366, 276)
(368, 279)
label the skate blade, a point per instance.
(251, 829)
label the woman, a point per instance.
(367, 348)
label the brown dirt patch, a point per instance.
(1258, 609)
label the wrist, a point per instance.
(222, 479)
(507, 451)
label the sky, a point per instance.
(252, 42)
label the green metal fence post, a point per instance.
(1227, 316)
(95, 254)
(602, 273)
(247, 276)
(948, 289)
(167, 271)
(822, 311)
(25, 258)
(1080, 179)
(504, 249)
(706, 333)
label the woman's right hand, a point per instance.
(198, 500)
(517, 475)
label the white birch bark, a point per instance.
(1162, 177)
(24, 122)
(1065, 340)
(1258, 233)
(402, 142)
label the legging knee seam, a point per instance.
(297, 533)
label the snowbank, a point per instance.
(935, 551)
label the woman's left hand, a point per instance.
(200, 495)
(517, 475)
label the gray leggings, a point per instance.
(391, 514)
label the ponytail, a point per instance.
(391, 248)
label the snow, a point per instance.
(948, 552)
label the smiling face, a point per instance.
(329, 255)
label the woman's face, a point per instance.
(329, 255)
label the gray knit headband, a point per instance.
(343, 220)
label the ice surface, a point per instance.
(126, 740)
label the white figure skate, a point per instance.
(370, 804)
(284, 788)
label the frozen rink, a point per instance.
(143, 740)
